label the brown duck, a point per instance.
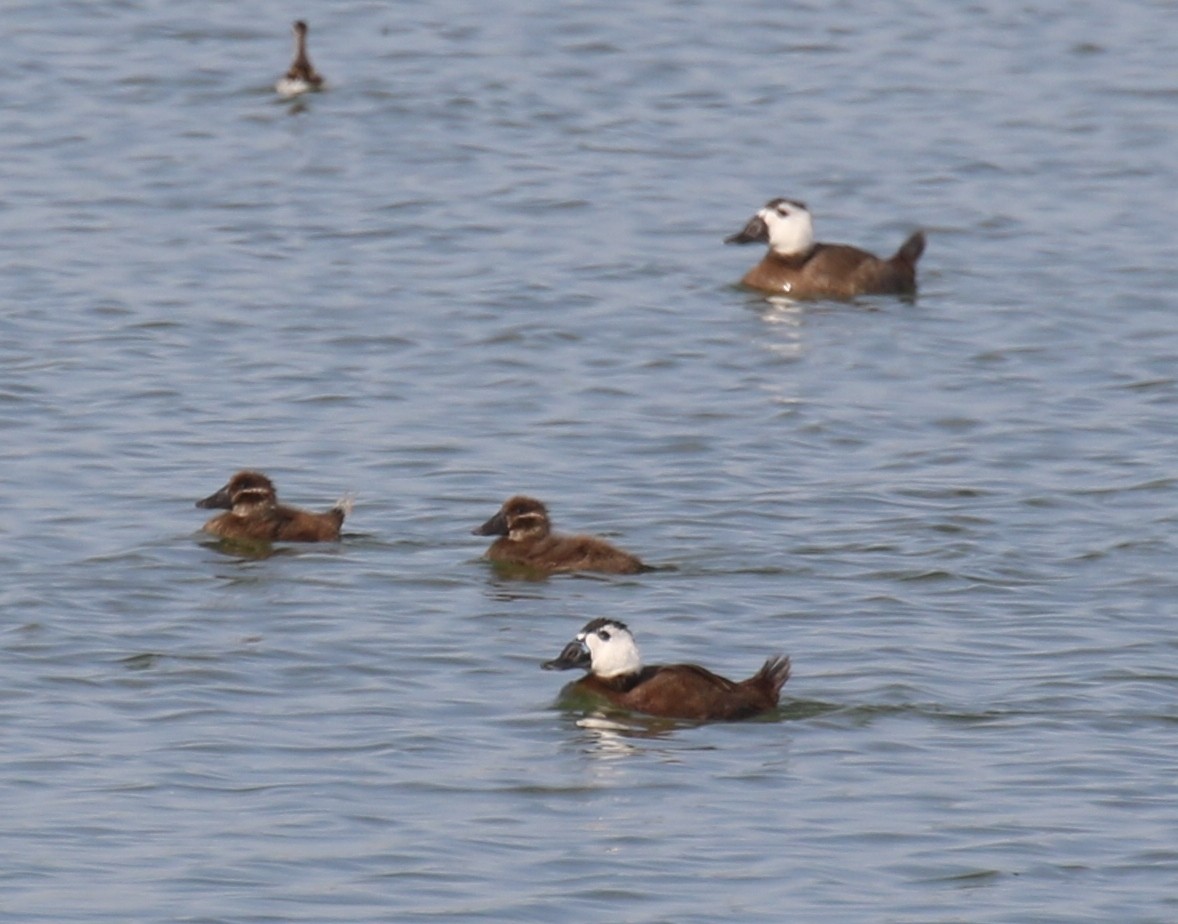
(526, 539)
(255, 514)
(301, 77)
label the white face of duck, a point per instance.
(612, 650)
(783, 224)
(789, 225)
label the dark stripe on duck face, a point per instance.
(528, 525)
(519, 517)
(252, 498)
(225, 498)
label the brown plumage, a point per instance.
(679, 691)
(301, 76)
(526, 539)
(255, 514)
(800, 268)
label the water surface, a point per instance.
(488, 261)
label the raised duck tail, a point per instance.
(910, 250)
(772, 676)
(343, 508)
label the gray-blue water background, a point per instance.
(489, 260)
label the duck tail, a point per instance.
(773, 675)
(910, 250)
(343, 507)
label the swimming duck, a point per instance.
(679, 691)
(302, 76)
(526, 539)
(798, 267)
(254, 513)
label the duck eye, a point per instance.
(603, 634)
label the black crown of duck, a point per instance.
(301, 77)
(255, 514)
(526, 539)
(607, 650)
(797, 266)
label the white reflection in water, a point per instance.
(785, 332)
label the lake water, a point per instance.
(489, 260)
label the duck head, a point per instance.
(245, 490)
(604, 647)
(519, 518)
(784, 224)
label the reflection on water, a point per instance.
(613, 738)
(257, 549)
(609, 736)
(785, 317)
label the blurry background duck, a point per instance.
(301, 77)
(606, 648)
(255, 514)
(798, 267)
(526, 539)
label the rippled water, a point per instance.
(489, 260)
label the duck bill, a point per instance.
(755, 232)
(575, 654)
(220, 501)
(496, 526)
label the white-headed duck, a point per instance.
(607, 650)
(798, 267)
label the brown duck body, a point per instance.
(837, 271)
(688, 691)
(278, 523)
(565, 553)
(255, 514)
(526, 539)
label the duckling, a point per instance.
(799, 268)
(302, 76)
(606, 648)
(526, 539)
(255, 514)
